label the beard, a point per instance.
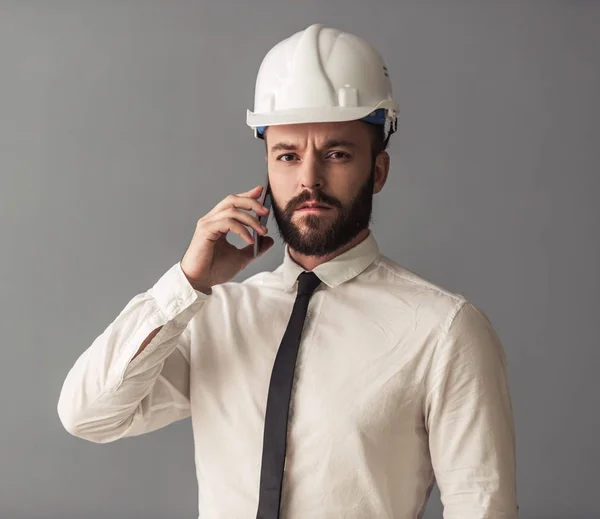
(320, 235)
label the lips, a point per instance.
(313, 206)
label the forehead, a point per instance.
(354, 132)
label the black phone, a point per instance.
(264, 199)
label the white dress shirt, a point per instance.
(399, 383)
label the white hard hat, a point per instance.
(322, 74)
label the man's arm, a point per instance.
(147, 341)
(153, 333)
(134, 378)
(470, 421)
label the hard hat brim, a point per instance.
(315, 114)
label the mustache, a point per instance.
(317, 198)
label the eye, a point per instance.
(340, 155)
(286, 157)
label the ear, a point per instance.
(382, 168)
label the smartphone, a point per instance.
(264, 199)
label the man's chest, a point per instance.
(355, 369)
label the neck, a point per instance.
(308, 263)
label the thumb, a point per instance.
(247, 252)
(266, 245)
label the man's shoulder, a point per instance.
(416, 289)
(401, 275)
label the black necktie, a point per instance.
(278, 402)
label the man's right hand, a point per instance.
(210, 259)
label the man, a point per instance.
(383, 382)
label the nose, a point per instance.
(310, 172)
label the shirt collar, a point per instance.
(340, 269)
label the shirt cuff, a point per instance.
(174, 294)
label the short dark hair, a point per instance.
(378, 142)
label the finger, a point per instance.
(225, 225)
(249, 203)
(241, 202)
(245, 218)
(248, 251)
(254, 190)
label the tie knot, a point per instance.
(307, 283)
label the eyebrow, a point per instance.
(332, 143)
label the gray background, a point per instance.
(123, 122)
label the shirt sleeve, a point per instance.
(469, 419)
(106, 395)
